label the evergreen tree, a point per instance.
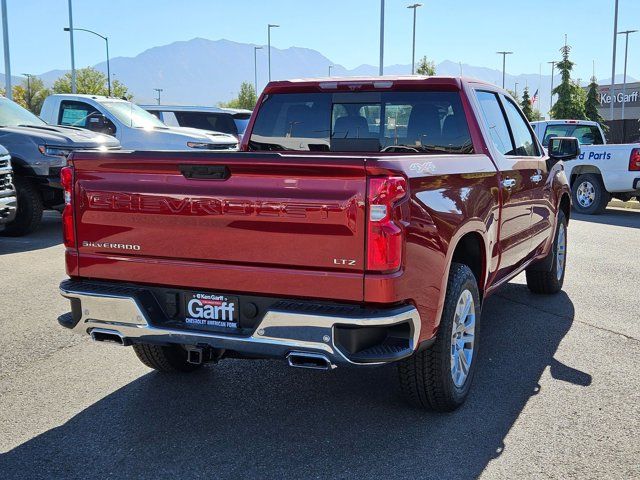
(571, 98)
(592, 103)
(426, 67)
(527, 109)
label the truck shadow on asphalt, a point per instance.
(48, 234)
(262, 419)
(612, 216)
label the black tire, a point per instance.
(425, 377)
(171, 359)
(547, 280)
(601, 197)
(30, 208)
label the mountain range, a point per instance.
(205, 72)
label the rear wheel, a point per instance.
(172, 358)
(30, 208)
(550, 281)
(589, 194)
(439, 377)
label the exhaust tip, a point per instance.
(314, 361)
(109, 336)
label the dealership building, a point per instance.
(621, 131)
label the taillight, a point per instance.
(384, 233)
(68, 231)
(634, 159)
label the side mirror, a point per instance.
(563, 148)
(97, 122)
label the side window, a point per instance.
(169, 118)
(495, 122)
(75, 114)
(524, 140)
(83, 115)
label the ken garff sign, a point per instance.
(630, 98)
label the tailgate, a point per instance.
(263, 223)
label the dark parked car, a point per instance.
(38, 151)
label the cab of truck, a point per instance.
(134, 127)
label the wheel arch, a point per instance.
(470, 250)
(582, 169)
(468, 245)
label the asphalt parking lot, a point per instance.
(557, 394)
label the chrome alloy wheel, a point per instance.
(586, 194)
(462, 338)
(561, 250)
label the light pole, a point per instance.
(73, 53)
(28, 75)
(624, 78)
(7, 60)
(504, 56)
(613, 59)
(269, 27)
(106, 39)
(553, 66)
(159, 90)
(413, 50)
(516, 90)
(381, 67)
(255, 68)
(330, 67)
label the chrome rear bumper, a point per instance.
(278, 334)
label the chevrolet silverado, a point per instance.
(364, 221)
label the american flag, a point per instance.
(534, 98)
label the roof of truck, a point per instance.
(97, 98)
(383, 82)
(194, 108)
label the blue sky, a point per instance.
(345, 31)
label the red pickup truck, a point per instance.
(363, 222)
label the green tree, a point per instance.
(527, 109)
(426, 67)
(246, 98)
(92, 82)
(592, 103)
(31, 94)
(571, 97)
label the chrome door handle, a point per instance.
(509, 183)
(536, 178)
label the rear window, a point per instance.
(398, 122)
(586, 134)
(219, 122)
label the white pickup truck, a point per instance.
(136, 128)
(602, 171)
